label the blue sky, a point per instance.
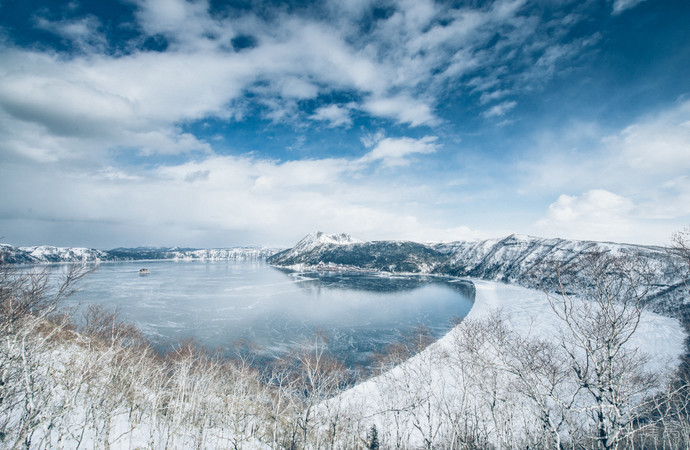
(222, 123)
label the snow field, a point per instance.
(415, 402)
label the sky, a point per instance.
(214, 123)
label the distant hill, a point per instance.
(46, 254)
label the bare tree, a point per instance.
(29, 326)
(680, 244)
(597, 299)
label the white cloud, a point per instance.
(209, 202)
(335, 115)
(646, 165)
(165, 142)
(638, 161)
(403, 109)
(499, 110)
(489, 96)
(84, 32)
(187, 25)
(658, 144)
(68, 113)
(394, 152)
(100, 98)
(596, 214)
(295, 87)
(371, 139)
(621, 5)
(399, 67)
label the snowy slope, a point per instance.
(511, 259)
(45, 253)
(414, 399)
(223, 254)
(313, 244)
(319, 238)
(48, 254)
(514, 258)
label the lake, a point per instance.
(221, 303)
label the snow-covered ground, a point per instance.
(529, 312)
(415, 400)
(434, 397)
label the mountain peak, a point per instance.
(320, 238)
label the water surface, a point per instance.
(222, 303)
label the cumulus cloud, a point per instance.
(186, 24)
(395, 152)
(645, 162)
(402, 109)
(335, 115)
(131, 99)
(208, 202)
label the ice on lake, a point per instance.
(222, 303)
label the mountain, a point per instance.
(188, 254)
(49, 254)
(46, 254)
(319, 250)
(310, 242)
(512, 259)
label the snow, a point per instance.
(50, 253)
(397, 392)
(319, 238)
(528, 312)
(234, 254)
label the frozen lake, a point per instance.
(221, 303)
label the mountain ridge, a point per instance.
(511, 259)
(44, 254)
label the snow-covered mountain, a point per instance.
(46, 254)
(341, 250)
(511, 259)
(313, 242)
(49, 254)
(319, 238)
(174, 253)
